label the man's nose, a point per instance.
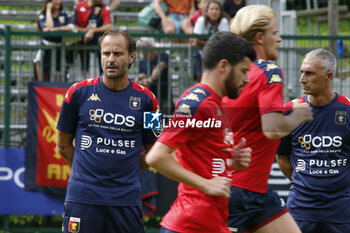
(111, 58)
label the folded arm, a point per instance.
(65, 146)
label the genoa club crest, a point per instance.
(74, 224)
(340, 117)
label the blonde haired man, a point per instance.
(257, 115)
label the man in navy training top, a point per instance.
(315, 156)
(104, 117)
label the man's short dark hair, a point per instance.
(226, 45)
(128, 37)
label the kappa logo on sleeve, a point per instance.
(275, 78)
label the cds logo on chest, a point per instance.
(309, 142)
(99, 116)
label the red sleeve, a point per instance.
(195, 17)
(288, 106)
(75, 86)
(106, 15)
(155, 105)
(344, 100)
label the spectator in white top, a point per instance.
(211, 22)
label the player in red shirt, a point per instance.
(257, 115)
(91, 17)
(201, 135)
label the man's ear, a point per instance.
(259, 38)
(329, 75)
(223, 65)
(132, 58)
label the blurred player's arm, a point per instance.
(167, 24)
(114, 5)
(285, 165)
(276, 125)
(161, 157)
(146, 148)
(90, 32)
(157, 71)
(192, 9)
(65, 146)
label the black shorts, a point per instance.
(249, 210)
(323, 227)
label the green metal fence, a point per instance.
(20, 48)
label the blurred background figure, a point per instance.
(178, 18)
(232, 6)
(211, 22)
(202, 6)
(113, 4)
(91, 17)
(51, 18)
(153, 73)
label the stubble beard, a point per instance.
(232, 92)
(117, 75)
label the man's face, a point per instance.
(271, 40)
(237, 78)
(313, 79)
(115, 58)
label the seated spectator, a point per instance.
(91, 17)
(213, 21)
(52, 17)
(232, 6)
(153, 73)
(178, 18)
